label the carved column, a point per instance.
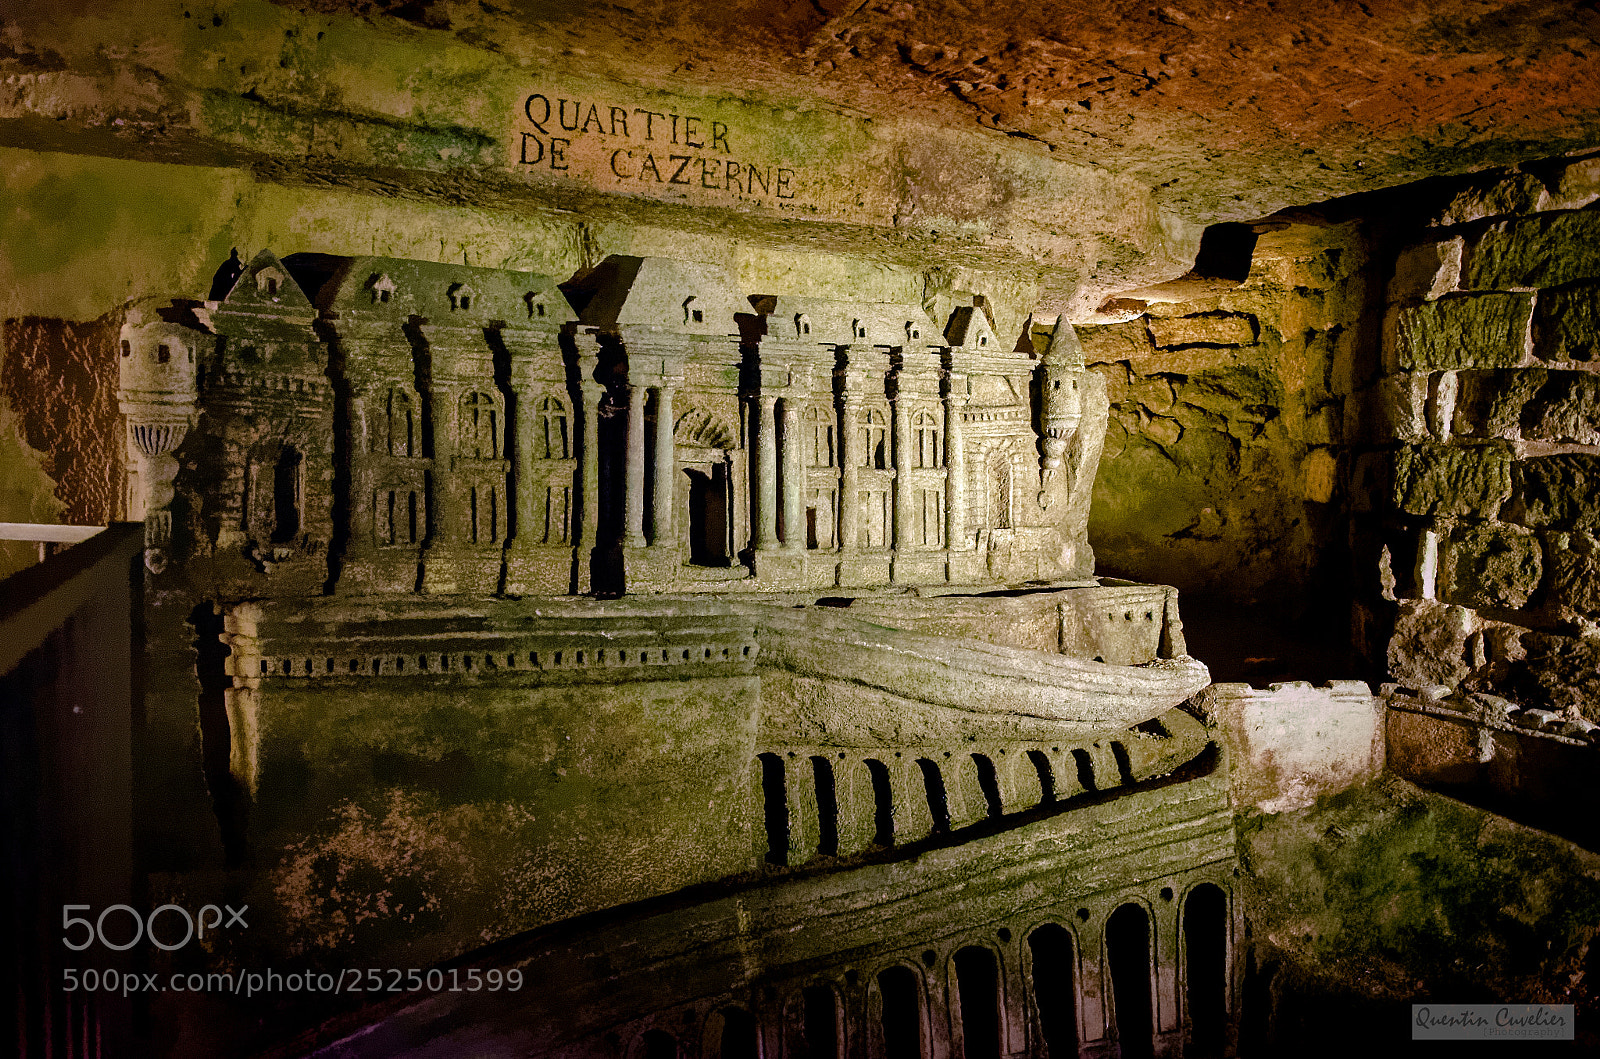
(902, 476)
(442, 505)
(522, 466)
(663, 523)
(633, 510)
(589, 515)
(766, 439)
(360, 517)
(849, 477)
(955, 464)
(794, 530)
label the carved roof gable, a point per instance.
(687, 297)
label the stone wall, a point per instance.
(1490, 400)
(1222, 472)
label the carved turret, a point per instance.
(157, 395)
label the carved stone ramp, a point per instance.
(967, 680)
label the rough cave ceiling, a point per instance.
(1077, 146)
(1231, 109)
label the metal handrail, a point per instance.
(46, 533)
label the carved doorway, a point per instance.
(708, 515)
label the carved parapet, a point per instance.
(840, 800)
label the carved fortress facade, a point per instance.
(382, 426)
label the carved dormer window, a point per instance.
(802, 324)
(912, 330)
(858, 329)
(536, 306)
(983, 340)
(382, 289)
(461, 297)
(690, 313)
(268, 280)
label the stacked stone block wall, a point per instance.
(1490, 402)
(1225, 455)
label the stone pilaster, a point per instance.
(663, 508)
(794, 529)
(765, 436)
(633, 500)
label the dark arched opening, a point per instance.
(827, 807)
(902, 1013)
(708, 516)
(938, 806)
(775, 800)
(738, 1035)
(658, 1044)
(882, 803)
(989, 783)
(287, 498)
(1054, 989)
(1128, 955)
(1047, 776)
(1205, 942)
(820, 1023)
(978, 986)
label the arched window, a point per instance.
(802, 324)
(1128, 956)
(550, 436)
(930, 440)
(873, 431)
(402, 424)
(978, 990)
(480, 437)
(288, 500)
(1054, 993)
(818, 436)
(1205, 947)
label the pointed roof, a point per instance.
(267, 286)
(1064, 350)
(969, 329)
(686, 297)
